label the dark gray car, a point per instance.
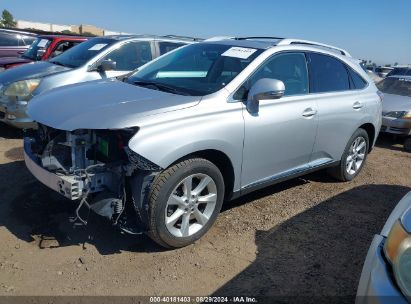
(98, 58)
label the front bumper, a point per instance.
(376, 283)
(14, 114)
(67, 186)
(396, 126)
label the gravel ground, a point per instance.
(305, 237)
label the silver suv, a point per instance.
(98, 58)
(161, 150)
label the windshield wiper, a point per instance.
(161, 87)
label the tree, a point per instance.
(7, 19)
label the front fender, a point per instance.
(164, 143)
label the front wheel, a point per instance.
(353, 158)
(184, 202)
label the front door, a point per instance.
(279, 140)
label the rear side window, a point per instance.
(358, 82)
(166, 47)
(328, 74)
(8, 40)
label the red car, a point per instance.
(43, 48)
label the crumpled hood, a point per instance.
(102, 104)
(29, 71)
(13, 60)
(396, 103)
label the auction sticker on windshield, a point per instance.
(239, 52)
(97, 47)
(42, 43)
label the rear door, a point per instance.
(11, 44)
(164, 47)
(341, 105)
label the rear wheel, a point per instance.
(184, 201)
(353, 158)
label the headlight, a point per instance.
(407, 115)
(22, 88)
(397, 249)
(395, 114)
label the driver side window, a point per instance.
(290, 68)
(131, 55)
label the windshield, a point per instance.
(82, 53)
(396, 86)
(198, 69)
(38, 44)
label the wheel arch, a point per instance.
(370, 129)
(222, 162)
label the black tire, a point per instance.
(407, 144)
(340, 172)
(162, 188)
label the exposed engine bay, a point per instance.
(97, 168)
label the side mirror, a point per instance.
(264, 89)
(40, 53)
(106, 65)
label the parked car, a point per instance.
(43, 48)
(370, 70)
(13, 43)
(396, 110)
(383, 71)
(386, 275)
(97, 58)
(400, 71)
(204, 123)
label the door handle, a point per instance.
(357, 105)
(309, 112)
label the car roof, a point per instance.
(406, 77)
(154, 37)
(269, 42)
(17, 32)
(63, 37)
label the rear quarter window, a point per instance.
(358, 82)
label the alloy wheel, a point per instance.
(191, 205)
(356, 155)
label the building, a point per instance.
(78, 29)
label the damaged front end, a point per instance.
(95, 168)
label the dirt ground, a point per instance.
(305, 237)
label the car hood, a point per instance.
(29, 71)
(102, 104)
(13, 60)
(396, 103)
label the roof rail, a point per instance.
(183, 37)
(307, 42)
(218, 38)
(255, 38)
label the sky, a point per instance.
(377, 30)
